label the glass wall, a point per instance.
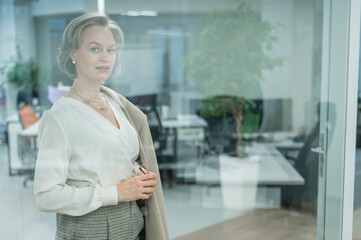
(236, 89)
(357, 187)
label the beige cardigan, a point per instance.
(156, 226)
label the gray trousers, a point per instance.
(123, 221)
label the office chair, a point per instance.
(304, 197)
(147, 104)
(306, 163)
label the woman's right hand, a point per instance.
(140, 186)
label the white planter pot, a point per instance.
(239, 180)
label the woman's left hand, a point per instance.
(151, 181)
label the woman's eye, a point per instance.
(111, 50)
(94, 49)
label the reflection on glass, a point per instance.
(237, 87)
(232, 94)
(357, 187)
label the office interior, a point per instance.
(186, 64)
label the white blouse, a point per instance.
(81, 158)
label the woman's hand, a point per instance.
(140, 186)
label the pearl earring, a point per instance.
(73, 62)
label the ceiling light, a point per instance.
(141, 13)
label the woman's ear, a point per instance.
(72, 55)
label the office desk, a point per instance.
(31, 131)
(18, 163)
(180, 122)
(263, 173)
(185, 128)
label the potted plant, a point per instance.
(25, 82)
(230, 56)
(24, 74)
(218, 111)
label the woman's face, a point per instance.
(96, 54)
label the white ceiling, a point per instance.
(56, 7)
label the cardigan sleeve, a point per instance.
(51, 192)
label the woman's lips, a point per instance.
(103, 69)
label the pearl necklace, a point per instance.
(89, 101)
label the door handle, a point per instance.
(322, 153)
(318, 150)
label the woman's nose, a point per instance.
(104, 56)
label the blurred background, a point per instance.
(235, 97)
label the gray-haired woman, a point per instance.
(92, 143)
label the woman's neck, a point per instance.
(87, 88)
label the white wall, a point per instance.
(293, 80)
(278, 82)
(302, 63)
(136, 80)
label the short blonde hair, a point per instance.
(72, 35)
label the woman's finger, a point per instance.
(145, 196)
(148, 190)
(150, 183)
(148, 176)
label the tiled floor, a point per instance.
(189, 208)
(19, 218)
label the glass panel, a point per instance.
(256, 64)
(236, 91)
(357, 188)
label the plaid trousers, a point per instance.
(120, 222)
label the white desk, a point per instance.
(274, 169)
(262, 173)
(189, 127)
(31, 131)
(171, 124)
(192, 121)
(19, 164)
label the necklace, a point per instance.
(89, 101)
(84, 97)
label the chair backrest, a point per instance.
(26, 112)
(148, 103)
(27, 115)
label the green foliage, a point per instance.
(221, 106)
(24, 74)
(231, 51)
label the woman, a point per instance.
(92, 143)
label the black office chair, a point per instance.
(147, 103)
(304, 197)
